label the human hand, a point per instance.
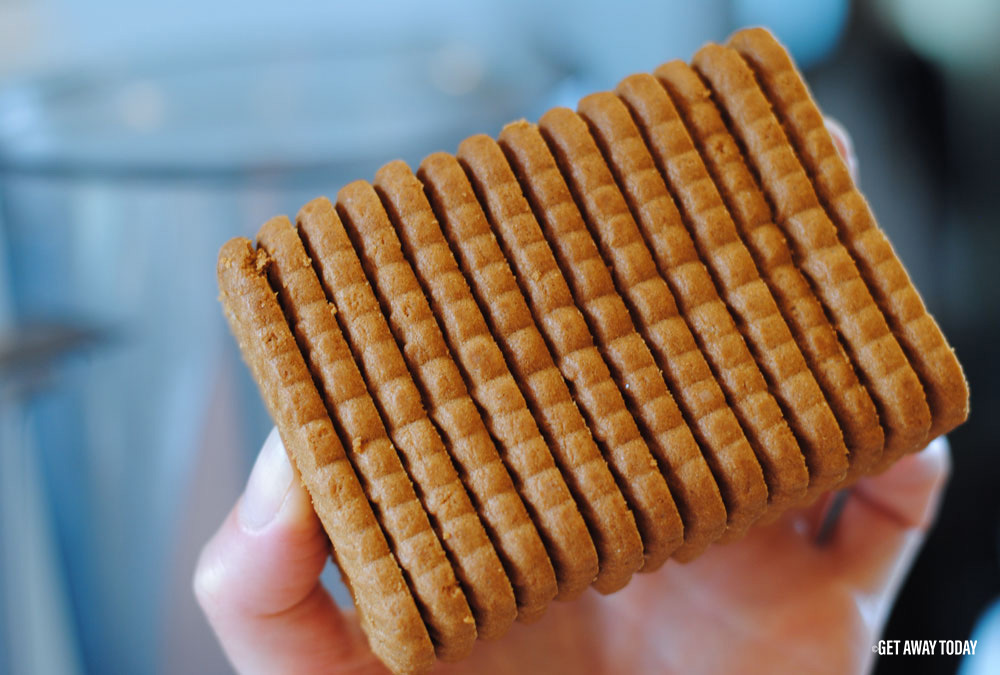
(775, 601)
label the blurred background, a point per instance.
(134, 140)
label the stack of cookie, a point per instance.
(596, 343)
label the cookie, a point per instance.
(651, 304)
(400, 407)
(884, 369)
(536, 293)
(852, 405)
(505, 328)
(386, 608)
(688, 197)
(929, 353)
(567, 355)
(403, 516)
(687, 474)
(500, 507)
(525, 454)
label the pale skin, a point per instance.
(775, 601)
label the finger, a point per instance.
(910, 491)
(845, 146)
(257, 579)
(906, 493)
(884, 524)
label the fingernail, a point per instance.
(268, 485)
(845, 146)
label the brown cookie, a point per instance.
(399, 404)
(616, 537)
(501, 508)
(891, 381)
(527, 457)
(649, 299)
(386, 607)
(397, 505)
(528, 362)
(850, 401)
(679, 457)
(688, 197)
(929, 353)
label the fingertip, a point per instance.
(269, 552)
(268, 487)
(258, 580)
(845, 146)
(910, 491)
(274, 492)
(937, 457)
(884, 524)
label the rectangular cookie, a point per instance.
(689, 198)
(848, 398)
(602, 341)
(638, 281)
(679, 458)
(918, 334)
(884, 369)
(386, 608)
(399, 509)
(400, 407)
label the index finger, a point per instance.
(883, 525)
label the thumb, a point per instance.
(257, 579)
